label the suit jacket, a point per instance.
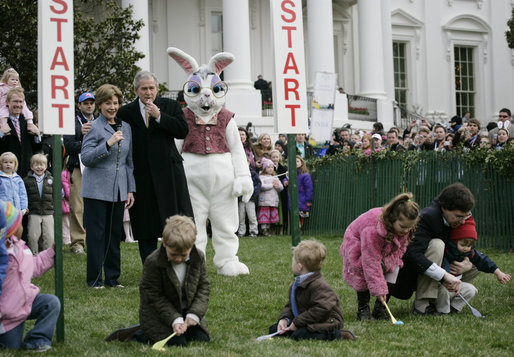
(24, 149)
(108, 173)
(161, 182)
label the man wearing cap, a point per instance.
(160, 178)
(73, 145)
(504, 122)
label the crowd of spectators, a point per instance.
(423, 135)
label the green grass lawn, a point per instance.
(242, 308)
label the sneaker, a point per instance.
(116, 285)
(123, 334)
(347, 335)
(364, 314)
(253, 235)
(429, 311)
(379, 311)
(98, 287)
(79, 251)
(42, 348)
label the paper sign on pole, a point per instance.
(322, 115)
(56, 101)
(290, 90)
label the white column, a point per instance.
(140, 11)
(387, 36)
(242, 98)
(236, 40)
(321, 38)
(371, 53)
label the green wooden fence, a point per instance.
(347, 187)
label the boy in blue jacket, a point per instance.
(459, 247)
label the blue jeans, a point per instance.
(45, 310)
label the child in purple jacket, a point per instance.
(304, 189)
(373, 247)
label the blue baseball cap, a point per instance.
(85, 96)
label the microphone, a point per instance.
(118, 123)
(118, 127)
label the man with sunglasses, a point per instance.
(504, 122)
(161, 187)
(422, 271)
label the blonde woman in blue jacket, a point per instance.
(107, 187)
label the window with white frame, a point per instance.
(464, 80)
(216, 32)
(401, 84)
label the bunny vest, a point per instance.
(208, 138)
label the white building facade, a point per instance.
(437, 58)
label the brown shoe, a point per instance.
(347, 335)
(123, 334)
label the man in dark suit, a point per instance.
(161, 187)
(14, 136)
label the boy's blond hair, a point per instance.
(38, 159)
(9, 156)
(310, 253)
(179, 233)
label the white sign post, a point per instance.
(56, 101)
(290, 90)
(322, 115)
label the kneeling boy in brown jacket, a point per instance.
(174, 290)
(313, 310)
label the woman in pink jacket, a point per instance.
(372, 250)
(20, 299)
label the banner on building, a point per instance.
(322, 114)
(290, 90)
(56, 101)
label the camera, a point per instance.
(420, 136)
(337, 137)
(418, 122)
(446, 143)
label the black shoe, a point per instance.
(364, 314)
(379, 311)
(123, 334)
(429, 311)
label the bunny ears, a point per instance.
(216, 64)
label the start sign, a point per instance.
(290, 90)
(56, 102)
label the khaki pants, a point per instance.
(427, 287)
(445, 299)
(77, 231)
(40, 227)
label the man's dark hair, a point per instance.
(392, 131)
(505, 110)
(456, 197)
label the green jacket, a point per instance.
(161, 294)
(41, 205)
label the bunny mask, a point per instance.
(204, 91)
